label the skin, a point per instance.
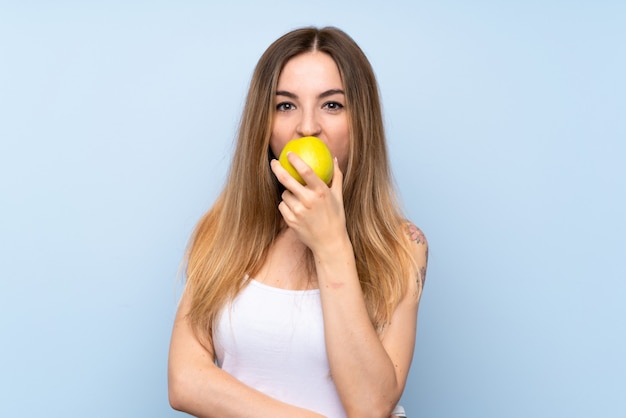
(369, 372)
(310, 102)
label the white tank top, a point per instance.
(272, 339)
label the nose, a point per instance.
(309, 124)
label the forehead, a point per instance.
(310, 69)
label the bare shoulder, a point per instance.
(419, 248)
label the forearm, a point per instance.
(361, 368)
(214, 393)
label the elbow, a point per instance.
(176, 390)
(174, 395)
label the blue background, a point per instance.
(506, 124)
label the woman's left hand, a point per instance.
(314, 211)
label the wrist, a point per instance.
(335, 248)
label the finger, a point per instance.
(286, 213)
(290, 200)
(283, 176)
(306, 172)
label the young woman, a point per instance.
(301, 300)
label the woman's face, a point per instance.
(310, 101)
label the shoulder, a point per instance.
(419, 247)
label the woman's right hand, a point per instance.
(314, 211)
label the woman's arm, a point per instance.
(197, 386)
(370, 374)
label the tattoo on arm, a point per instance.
(423, 274)
(416, 234)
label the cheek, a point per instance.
(342, 158)
(280, 136)
(342, 147)
(276, 145)
(341, 150)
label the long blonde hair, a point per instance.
(232, 239)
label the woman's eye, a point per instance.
(284, 106)
(333, 106)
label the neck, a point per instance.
(287, 264)
(288, 237)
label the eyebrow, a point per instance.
(320, 96)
